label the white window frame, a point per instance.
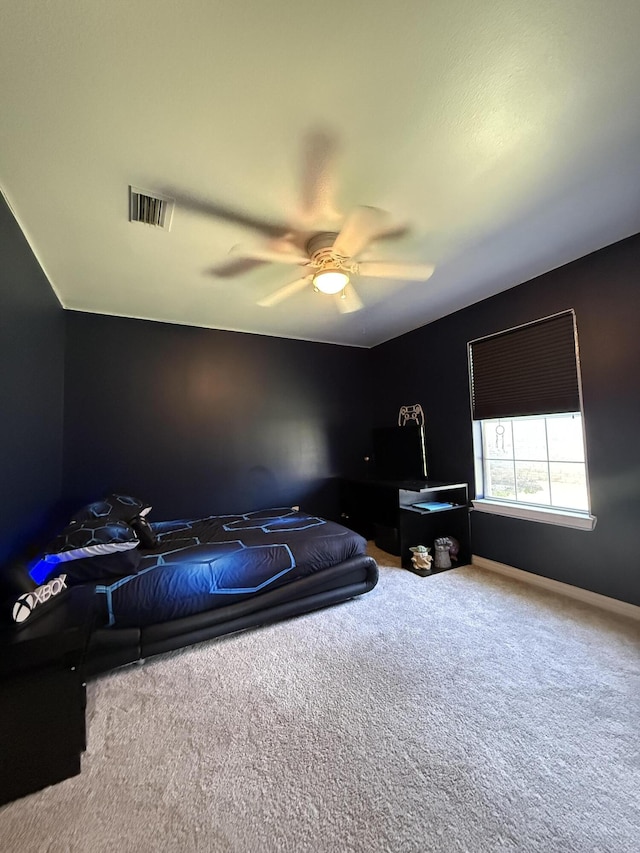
(579, 519)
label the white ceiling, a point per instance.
(505, 133)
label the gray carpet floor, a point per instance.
(458, 712)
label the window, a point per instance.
(529, 431)
(536, 460)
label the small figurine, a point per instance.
(421, 559)
(454, 548)
(443, 558)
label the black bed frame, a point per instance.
(110, 647)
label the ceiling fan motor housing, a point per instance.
(329, 259)
(320, 251)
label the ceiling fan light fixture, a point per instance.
(330, 281)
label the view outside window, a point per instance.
(538, 460)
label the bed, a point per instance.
(145, 587)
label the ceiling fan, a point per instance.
(330, 259)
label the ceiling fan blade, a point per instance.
(230, 214)
(234, 267)
(263, 253)
(394, 232)
(388, 269)
(318, 175)
(348, 301)
(360, 227)
(284, 292)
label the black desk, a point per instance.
(383, 510)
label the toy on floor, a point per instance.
(421, 559)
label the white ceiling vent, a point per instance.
(150, 208)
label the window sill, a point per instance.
(564, 518)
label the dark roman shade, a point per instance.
(529, 370)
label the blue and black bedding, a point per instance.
(210, 562)
(146, 573)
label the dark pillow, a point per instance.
(90, 539)
(126, 508)
(115, 507)
(97, 509)
(143, 531)
(101, 567)
(104, 567)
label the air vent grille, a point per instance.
(150, 208)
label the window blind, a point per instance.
(529, 370)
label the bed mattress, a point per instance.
(205, 563)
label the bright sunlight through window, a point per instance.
(537, 460)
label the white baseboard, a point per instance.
(622, 608)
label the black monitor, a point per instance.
(399, 452)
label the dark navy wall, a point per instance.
(198, 420)
(429, 366)
(31, 391)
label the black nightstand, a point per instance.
(42, 700)
(386, 511)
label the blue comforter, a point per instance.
(210, 562)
